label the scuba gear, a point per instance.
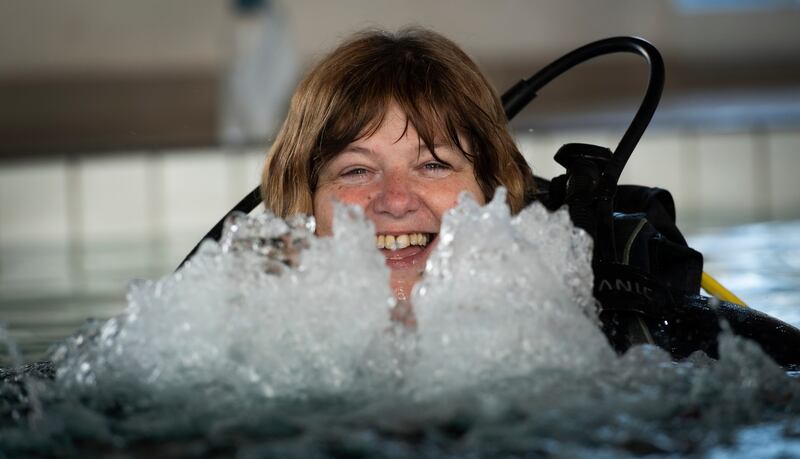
(647, 279)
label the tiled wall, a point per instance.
(91, 223)
(724, 178)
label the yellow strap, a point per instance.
(715, 289)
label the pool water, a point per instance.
(760, 263)
(277, 344)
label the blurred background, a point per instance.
(128, 128)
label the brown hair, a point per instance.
(346, 95)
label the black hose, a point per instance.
(516, 98)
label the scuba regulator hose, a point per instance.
(516, 98)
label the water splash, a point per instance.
(278, 343)
(23, 387)
(503, 296)
(259, 318)
(273, 311)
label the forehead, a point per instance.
(394, 125)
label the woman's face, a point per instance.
(402, 188)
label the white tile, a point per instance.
(726, 177)
(689, 201)
(539, 150)
(195, 189)
(254, 166)
(40, 268)
(33, 203)
(196, 196)
(245, 168)
(109, 267)
(249, 165)
(114, 192)
(784, 166)
(178, 245)
(238, 182)
(656, 161)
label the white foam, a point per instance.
(501, 296)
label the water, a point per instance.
(760, 263)
(277, 344)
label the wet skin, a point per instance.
(402, 188)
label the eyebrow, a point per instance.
(357, 149)
(423, 147)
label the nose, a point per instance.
(396, 195)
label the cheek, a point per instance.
(442, 200)
(471, 185)
(355, 196)
(465, 180)
(323, 214)
(477, 193)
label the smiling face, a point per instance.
(402, 187)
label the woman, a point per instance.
(399, 124)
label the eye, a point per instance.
(436, 165)
(355, 175)
(436, 168)
(356, 171)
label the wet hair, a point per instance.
(346, 96)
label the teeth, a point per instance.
(401, 241)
